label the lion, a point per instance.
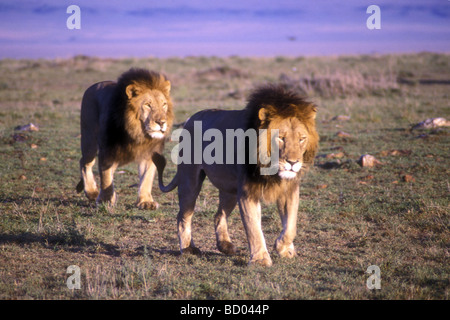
(124, 121)
(269, 107)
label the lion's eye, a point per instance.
(165, 105)
(147, 106)
(280, 139)
(302, 139)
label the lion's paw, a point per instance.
(262, 260)
(148, 205)
(226, 247)
(106, 198)
(191, 250)
(285, 251)
(91, 195)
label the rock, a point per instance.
(27, 127)
(335, 155)
(432, 123)
(408, 178)
(341, 118)
(342, 134)
(368, 161)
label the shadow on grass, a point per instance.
(70, 241)
(19, 200)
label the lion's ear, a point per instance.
(262, 114)
(313, 111)
(132, 90)
(167, 86)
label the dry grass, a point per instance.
(350, 217)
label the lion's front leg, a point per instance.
(288, 208)
(107, 193)
(251, 217)
(147, 171)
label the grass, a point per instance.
(350, 217)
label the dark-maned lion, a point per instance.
(124, 121)
(269, 107)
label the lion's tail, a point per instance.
(80, 186)
(160, 163)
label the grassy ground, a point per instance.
(395, 215)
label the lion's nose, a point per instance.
(162, 124)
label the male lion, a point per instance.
(124, 121)
(269, 107)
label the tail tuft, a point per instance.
(80, 186)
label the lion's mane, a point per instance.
(280, 104)
(123, 129)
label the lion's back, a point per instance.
(216, 119)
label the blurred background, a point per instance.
(175, 28)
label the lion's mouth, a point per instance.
(156, 134)
(288, 170)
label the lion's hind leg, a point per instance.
(89, 143)
(227, 202)
(188, 191)
(107, 194)
(87, 182)
(89, 153)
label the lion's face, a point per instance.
(152, 108)
(153, 115)
(292, 142)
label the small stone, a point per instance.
(342, 134)
(335, 155)
(431, 123)
(368, 161)
(408, 178)
(27, 127)
(341, 118)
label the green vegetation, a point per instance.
(394, 215)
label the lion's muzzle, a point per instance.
(289, 169)
(157, 129)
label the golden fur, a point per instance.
(124, 121)
(276, 108)
(269, 107)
